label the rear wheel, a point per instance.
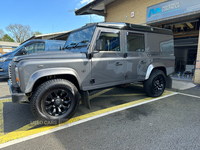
(55, 101)
(156, 84)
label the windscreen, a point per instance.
(79, 39)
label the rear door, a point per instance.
(136, 60)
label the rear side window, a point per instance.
(135, 42)
(111, 41)
(167, 46)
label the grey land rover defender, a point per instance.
(95, 56)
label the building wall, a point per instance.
(118, 10)
(5, 47)
(197, 70)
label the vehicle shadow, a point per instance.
(115, 96)
(16, 116)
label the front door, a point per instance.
(108, 65)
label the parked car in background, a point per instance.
(27, 48)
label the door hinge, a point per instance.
(125, 55)
(92, 81)
(89, 56)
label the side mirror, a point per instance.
(61, 48)
(99, 45)
(23, 51)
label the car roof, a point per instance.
(128, 26)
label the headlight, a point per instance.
(17, 76)
(2, 59)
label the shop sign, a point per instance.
(132, 14)
(171, 8)
(7, 50)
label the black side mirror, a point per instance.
(61, 48)
(99, 45)
(23, 51)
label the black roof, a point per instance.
(128, 26)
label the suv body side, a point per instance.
(98, 56)
(105, 68)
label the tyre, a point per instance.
(156, 84)
(54, 101)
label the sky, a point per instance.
(45, 16)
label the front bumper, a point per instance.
(17, 97)
(4, 75)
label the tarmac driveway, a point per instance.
(120, 118)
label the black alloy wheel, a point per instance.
(57, 102)
(156, 84)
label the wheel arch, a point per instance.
(154, 66)
(41, 76)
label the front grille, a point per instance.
(9, 72)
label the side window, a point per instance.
(30, 49)
(39, 47)
(111, 41)
(135, 42)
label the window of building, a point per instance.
(135, 42)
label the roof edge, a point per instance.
(87, 8)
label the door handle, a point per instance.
(118, 64)
(142, 61)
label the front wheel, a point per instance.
(156, 84)
(55, 101)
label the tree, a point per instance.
(7, 38)
(37, 33)
(19, 32)
(1, 34)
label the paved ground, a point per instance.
(121, 118)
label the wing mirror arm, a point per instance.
(23, 51)
(99, 47)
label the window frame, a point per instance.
(29, 45)
(110, 32)
(39, 51)
(140, 35)
(34, 46)
(99, 30)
